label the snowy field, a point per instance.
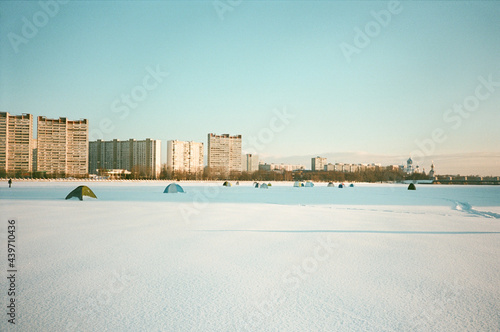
(375, 257)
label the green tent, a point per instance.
(80, 192)
(412, 187)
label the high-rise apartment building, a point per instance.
(318, 164)
(34, 149)
(16, 134)
(184, 156)
(62, 146)
(250, 163)
(140, 157)
(224, 153)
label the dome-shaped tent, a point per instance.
(227, 184)
(81, 191)
(341, 185)
(173, 188)
(309, 184)
(351, 185)
(264, 186)
(412, 187)
(330, 184)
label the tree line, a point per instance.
(369, 175)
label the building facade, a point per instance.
(250, 163)
(224, 153)
(62, 146)
(350, 168)
(16, 135)
(281, 167)
(184, 156)
(141, 158)
(318, 164)
(34, 152)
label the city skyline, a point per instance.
(354, 82)
(191, 158)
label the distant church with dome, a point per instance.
(410, 168)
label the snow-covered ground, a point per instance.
(375, 257)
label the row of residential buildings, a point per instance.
(62, 147)
(320, 164)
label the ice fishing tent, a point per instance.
(296, 184)
(80, 192)
(341, 185)
(309, 184)
(173, 188)
(227, 184)
(412, 187)
(237, 183)
(256, 185)
(330, 184)
(264, 186)
(269, 184)
(351, 185)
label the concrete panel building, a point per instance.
(142, 158)
(224, 153)
(318, 164)
(34, 149)
(184, 156)
(250, 163)
(62, 146)
(16, 135)
(281, 167)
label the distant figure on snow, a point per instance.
(10, 182)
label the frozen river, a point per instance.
(375, 257)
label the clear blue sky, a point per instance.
(228, 71)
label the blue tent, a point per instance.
(309, 184)
(264, 186)
(351, 185)
(341, 185)
(173, 188)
